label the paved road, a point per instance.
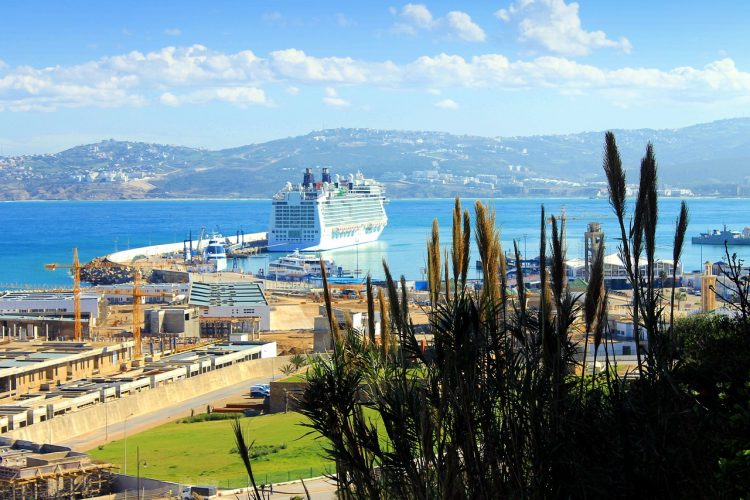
(118, 429)
(318, 488)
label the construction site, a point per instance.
(29, 470)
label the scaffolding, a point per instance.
(32, 471)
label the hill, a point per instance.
(704, 157)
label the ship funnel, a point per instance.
(326, 175)
(309, 179)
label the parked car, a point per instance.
(260, 391)
(194, 492)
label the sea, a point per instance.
(35, 233)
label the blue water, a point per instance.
(34, 233)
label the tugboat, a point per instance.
(720, 237)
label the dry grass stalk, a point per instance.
(332, 323)
(370, 311)
(433, 263)
(679, 240)
(384, 322)
(520, 286)
(488, 243)
(466, 248)
(457, 253)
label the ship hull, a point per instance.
(328, 242)
(720, 242)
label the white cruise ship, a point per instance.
(329, 214)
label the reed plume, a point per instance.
(457, 253)
(465, 251)
(370, 311)
(488, 243)
(332, 323)
(384, 322)
(433, 263)
(679, 239)
(593, 303)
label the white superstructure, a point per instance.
(299, 265)
(328, 214)
(215, 255)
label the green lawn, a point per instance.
(200, 453)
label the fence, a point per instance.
(263, 478)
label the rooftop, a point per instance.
(226, 294)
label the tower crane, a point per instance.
(75, 267)
(137, 294)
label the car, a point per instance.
(260, 391)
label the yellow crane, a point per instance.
(138, 294)
(75, 268)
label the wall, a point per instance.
(61, 429)
(126, 256)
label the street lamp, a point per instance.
(125, 433)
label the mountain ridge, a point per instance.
(410, 163)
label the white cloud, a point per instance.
(241, 97)
(272, 17)
(556, 26)
(416, 17)
(173, 32)
(447, 104)
(169, 99)
(463, 27)
(343, 20)
(332, 99)
(176, 76)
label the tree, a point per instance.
(288, 369)
(298, 361)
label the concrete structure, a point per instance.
(28, 367)
(35, 326)
(708, 288)
(180, 321)
(615, 274)
(237, 305)
(30, 470)
(127, 256)
(344, 317)
(50, 304)
(157, 293)
(161, 385)
(593, 238)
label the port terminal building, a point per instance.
(48, 315)
(227, 308)
(615, 274)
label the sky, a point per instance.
(217, 74)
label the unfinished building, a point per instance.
(31, 470)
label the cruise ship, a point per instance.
(331, 213)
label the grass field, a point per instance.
(200, 452)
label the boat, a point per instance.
(297, 266)
(315, 216)
(215, 255)
(720, 237)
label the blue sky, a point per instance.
(221, 74)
